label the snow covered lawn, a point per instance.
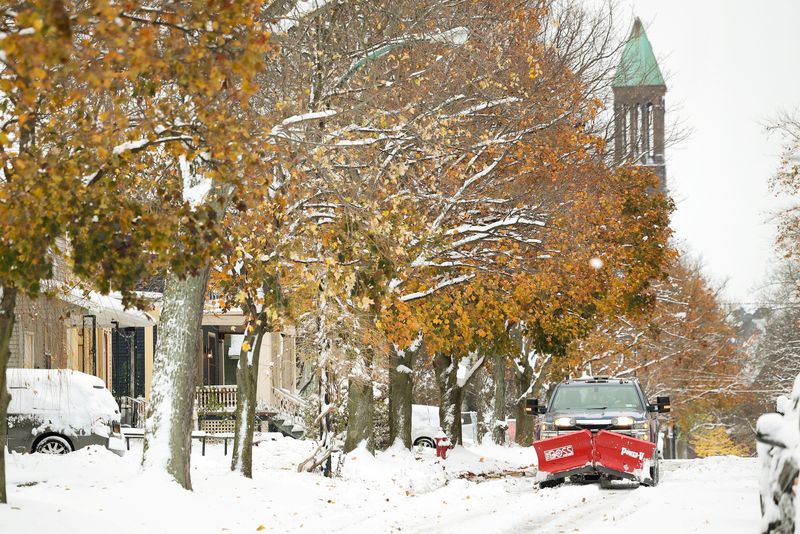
(94, 491)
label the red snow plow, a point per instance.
(597, 428)
(603, 453)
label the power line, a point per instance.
(764, 304)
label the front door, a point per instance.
(127, 368)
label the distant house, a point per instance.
(132, 349)
(277, 399)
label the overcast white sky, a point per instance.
(731, 65)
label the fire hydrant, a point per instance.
(443, 444)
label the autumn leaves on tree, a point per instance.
(462, 192)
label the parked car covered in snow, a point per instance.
(56, 411)
(425, 425)
(778, 439)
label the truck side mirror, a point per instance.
(531, 406)
(663, 404)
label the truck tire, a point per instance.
(551, 483)
(655, 473)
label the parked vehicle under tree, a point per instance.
(56, 411)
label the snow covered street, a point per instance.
(93, 491)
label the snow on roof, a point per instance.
(108, 309)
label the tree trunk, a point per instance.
(401, 389)
(499, 376)
(524, 433)
(360, 405)
(168, 430)
(451, 395)
(7, 304)
(322, 454)
(482, 389)
(246, 399)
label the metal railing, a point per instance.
(290, 408)
(288, 403)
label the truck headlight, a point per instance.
(564, 422)
(623, 421)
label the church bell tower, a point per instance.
(639, 91)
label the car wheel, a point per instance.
(53, 445)
(425, 442)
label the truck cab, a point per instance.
(601, 413)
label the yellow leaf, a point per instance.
(261, 527)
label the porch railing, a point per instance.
(288, 403)
(220, 399)
(132, 411)
(215, 399)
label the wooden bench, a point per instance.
(138, 433)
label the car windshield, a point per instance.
(597, 397)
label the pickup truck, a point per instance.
(597, 428)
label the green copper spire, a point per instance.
(638, 65)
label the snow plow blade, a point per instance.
(617, 454)
(565, 455)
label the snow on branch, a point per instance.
(515, 137)
(128, 146)
(294, 119)
(132, 146)
(483, 231)
(462, 380)
(280, 130)
(467, 183)
(486, 105)
(441, 285)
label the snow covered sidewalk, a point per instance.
(93, 491)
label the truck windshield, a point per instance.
(597, 397)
